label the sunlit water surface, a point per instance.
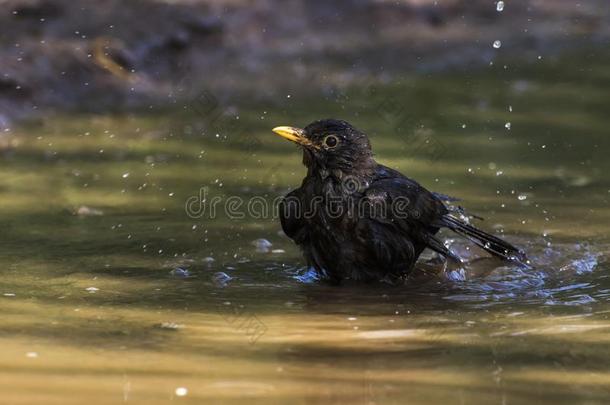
(110, 292)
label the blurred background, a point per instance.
(111, 55)
(121, 120)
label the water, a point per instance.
(110, 292)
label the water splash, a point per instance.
(583, 265)
(307, 275)
(560, 276)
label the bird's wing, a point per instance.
(407, 207)
(408, 203)
(291, 214)
(384, 172)
(422, 213)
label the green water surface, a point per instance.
(111, 292)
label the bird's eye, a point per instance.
(331, 141)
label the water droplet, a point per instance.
(497, 44)
(180, 272)
(92, 289)
(125, 175)
(181, 391)
(262, 245)
(500, 6)
(508, 125)
(457, 275)
(221, 279)
(522, 197)
(307, 275)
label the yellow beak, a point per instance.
(293, 134)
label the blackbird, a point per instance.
(356, 219)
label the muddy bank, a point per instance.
(111, 54)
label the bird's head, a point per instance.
(331, 145)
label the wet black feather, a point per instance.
(360, 243)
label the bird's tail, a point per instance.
(490, 243)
